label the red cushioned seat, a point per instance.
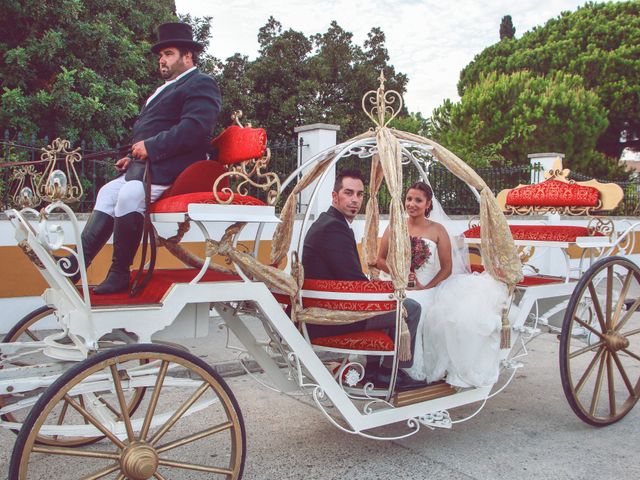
(238, 144)
(541, 233)
(179, 203)
(528, 280)
(372, 340)
(553, 193)
(197, 177)
(349, 286)
(158, 286)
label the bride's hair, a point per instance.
(426, 189)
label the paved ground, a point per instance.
(526, 432)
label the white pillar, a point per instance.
(313, 139)
(548, 161)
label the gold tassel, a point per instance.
(404, 348)
(505, 332)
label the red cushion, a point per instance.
(349, 286)
(198, 177)
(159, 284)
(372, 340)
(542, 233)
(179, 203)
(527, 281)
(554, 193)
(352, 286)
(237, 144)
(349, 305)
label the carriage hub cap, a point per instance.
(614, 341)
(139, 461)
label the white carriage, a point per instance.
(110, 388)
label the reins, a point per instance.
(142, 278)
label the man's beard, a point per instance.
(173, 71)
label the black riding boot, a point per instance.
(94, 236)
(127, 233)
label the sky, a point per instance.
(430, 41)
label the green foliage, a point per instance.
(502, 118)
(412, 123)
(507, 30)
(77, 69)
(299, 80)
(598, 42)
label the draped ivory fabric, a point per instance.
(372, 219)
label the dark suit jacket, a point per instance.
(329, 251)
(177, 124)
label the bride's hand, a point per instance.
(413, 282)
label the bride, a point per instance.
(459, 330)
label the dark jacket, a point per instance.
(329, 251)
(177, 124)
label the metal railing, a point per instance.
(455, 196)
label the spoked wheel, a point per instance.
(600, 342)
(28, 330)
(189, 426)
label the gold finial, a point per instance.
(382, 106)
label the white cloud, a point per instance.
(427, 40)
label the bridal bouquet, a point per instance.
(420, 254)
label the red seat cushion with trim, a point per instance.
(527, 281)
(542, 233)
(197, 177)
(237, 144)
(179, 203)
(349, 286)
(373, 340)
(554, 193)
(158, 286)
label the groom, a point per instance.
(330, 253)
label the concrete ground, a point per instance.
(526, 432)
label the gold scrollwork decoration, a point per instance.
(56, 184)
(250, 173)
(571, 210)
(382, 106)
(25, 193)
(601, 225)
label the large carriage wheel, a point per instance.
(25, 331)
(600, 342)
(189, 426)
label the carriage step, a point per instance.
(430, 392)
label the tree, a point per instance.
(504, 117)
(507, 30)
(77, 70)
(298, 80)
(598, 42)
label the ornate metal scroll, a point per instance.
(25, 191)
(249, 173)
(382, 106)
(56, 184)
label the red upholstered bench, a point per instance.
(353, 296)
(158, 286)
(541, 233)
(196, 183)
(528, 280)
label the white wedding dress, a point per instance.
(459, 330)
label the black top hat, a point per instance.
(176, 34)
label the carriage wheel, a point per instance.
(600, 342)
(190, 426)
(24, 331)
